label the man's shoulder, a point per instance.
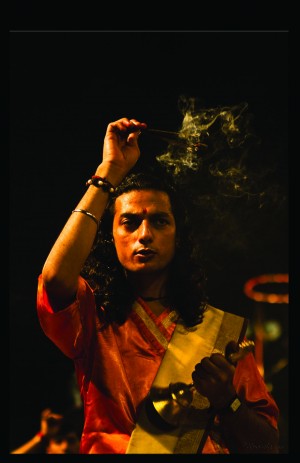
(213, 309)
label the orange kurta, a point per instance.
(116, 365)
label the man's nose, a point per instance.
(145, 233)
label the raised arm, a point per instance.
(71, 249)
(49, 426)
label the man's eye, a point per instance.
(161, 221)
(129, 222)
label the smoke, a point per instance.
(219, 147)
(206, 133)
(228, 177)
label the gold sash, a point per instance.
(186, 348)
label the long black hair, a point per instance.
(186, 282)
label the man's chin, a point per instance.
(146, 270)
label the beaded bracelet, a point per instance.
(101, 182)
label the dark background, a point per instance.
(64, 89)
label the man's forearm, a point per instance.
(247, 432)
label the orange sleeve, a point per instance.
(65, 327)
(251, 387)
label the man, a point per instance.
(55, 436)
(139, 320)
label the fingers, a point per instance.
(48, 414)
(128, 128)
(214, 368)
(231, 347)
(136, 126)
(56, 416)
(135, 130)
(213, 378)
(45, 413)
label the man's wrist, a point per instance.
(233, 406)
(113, 174)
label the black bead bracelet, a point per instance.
(101, 182)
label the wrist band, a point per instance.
(232, 407)
(101, 182)
(40, 434)
(83, 211)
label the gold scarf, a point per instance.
(186, 348)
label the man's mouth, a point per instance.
(144, 252)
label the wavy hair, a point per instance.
(186, 283)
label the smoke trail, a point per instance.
(219, 145)
(206, 133)
(227, 177)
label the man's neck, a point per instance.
(150, 287)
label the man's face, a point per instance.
(144, 231)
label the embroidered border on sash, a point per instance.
(150, 325)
